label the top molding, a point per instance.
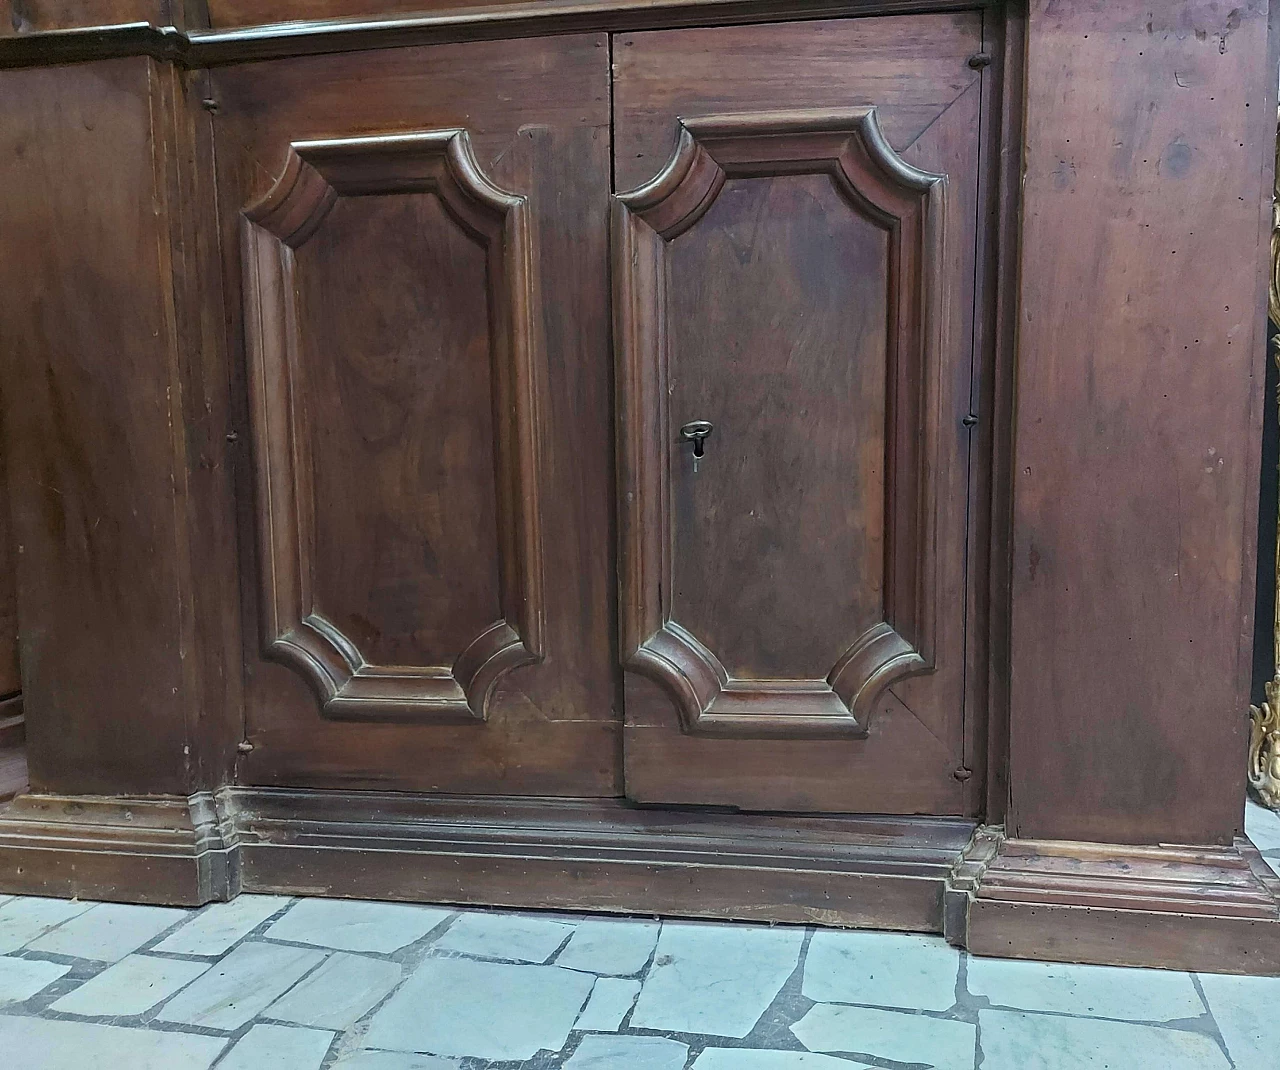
(463, 22)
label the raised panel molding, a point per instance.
(908, 205)
(316, 175)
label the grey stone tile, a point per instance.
(504, 936)
(1273, 862)
(133, 985)
(756, 1059)
(885, 969)
(392, 1060)
(610, 1000)
(20, 979)
(628, 1053)
(1247, 1010)
(1101, 991)
(278, 1047)
(108, 932)
(240, 987)
(715, 979)
(1014, 1040)
(615, 946)
(24, 918)
(894, 1035)
(1262, 826)
(339, 993)
(489, 1010)
(37, 1044)
(353, 925)
(213, 930)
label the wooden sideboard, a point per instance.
(730, 458)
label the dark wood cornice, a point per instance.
(535, 18)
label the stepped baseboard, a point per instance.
(1208, 909)
(153, 849)
(600, 855)
(1214, 909)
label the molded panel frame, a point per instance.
(295, 634)
(908, 204)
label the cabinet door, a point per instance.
(418, 238)
(793, 316)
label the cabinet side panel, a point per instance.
(1139, 380)
(90, 405)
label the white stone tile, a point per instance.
(392, 1060)
(504, 936)
(36, 1044)
(1014, 1040)
(617, 946)
(1100, 991)
(1247, 1010)
(20, 979)
(339, 993)
(108, 932)
(218, 926)
(883, 969)
(352, 925)
(1262, 826)
(715, 979)
(240, 987)
(628, 1053)
(278, 1047)
(489, 1010)
(610, 1000)
(24, 918)
(133, 985)
(894, 1035)
(756, 1059)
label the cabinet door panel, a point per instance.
(421, 254)
(799, 276)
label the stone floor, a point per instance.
(271, 983)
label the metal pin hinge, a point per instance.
(979, 60)
(971, 420)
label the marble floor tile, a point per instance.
(339, 993)
(37, 1044)
(108, 931)
(1247, 1010)
(216, 928)
(1100, 991)
(628, 1053)
(610, 1000)
(756, 1059)
(490, 1010)
(20, 979)
(241, 986)
(883, 969)
(616, 946)
(895, 1035)
(716, 979)
(355, 925)
(132, 986)
(515, 937)
(1262, 826)
(1014, 1040)
(25, 918)
(278, 1047)
(392, 1060)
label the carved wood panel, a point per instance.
(459, 503)
(882, 515)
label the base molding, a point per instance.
(590, 855)
(598, 855)
(1211, 909)
(151, 849)
(1207, 909)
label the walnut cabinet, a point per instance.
(715, 457)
